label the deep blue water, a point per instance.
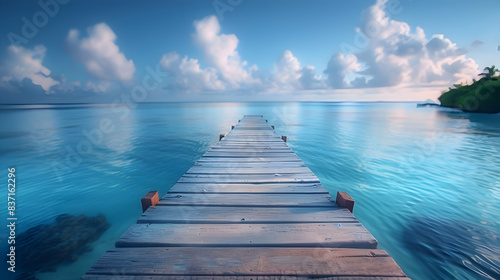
(426, 180)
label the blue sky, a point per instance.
(366, 50)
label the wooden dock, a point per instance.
(248, 209)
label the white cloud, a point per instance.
(395, 55)
(99, 53)
(186, 74)
(225, 70)
(289, 75)
(23, 64)
(220, 52)
(97, 87)
(340, 68)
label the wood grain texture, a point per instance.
(245, 215)
(326, 235)
(249, 178)
(222, 188)
(248, 200)
(226, 262)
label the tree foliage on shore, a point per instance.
(482, 96)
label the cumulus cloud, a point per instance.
(394, 55)
(23, 64)
(99, 53)
(220, 52)
(96, 87)
(288, 74)
(340, 68)
(225, 70)
(186, 74)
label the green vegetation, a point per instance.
(482, 96)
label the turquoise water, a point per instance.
(426, 180)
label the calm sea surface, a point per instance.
(426, 180)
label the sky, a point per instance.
(63, 51)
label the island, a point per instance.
(482, 96)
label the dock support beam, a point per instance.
(345, 200)
(150, 199)
(283, 137)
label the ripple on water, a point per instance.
(442, 245)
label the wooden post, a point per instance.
(150, 199)
(221, 136)
(345, 200)
(232, 127)
(283, 137)
(272, 126)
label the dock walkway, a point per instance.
(249, 208)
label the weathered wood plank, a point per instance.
(254, 137)
(249, 200)
(246, 155)
(293, 188)
(248, 160)
(343, 235)
(197, 169)
(227, 146)
(249, 178)
(245, 215)
(296, 262)
(204, 277)
(257, 165)
(251, 150)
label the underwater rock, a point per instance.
(44, 247)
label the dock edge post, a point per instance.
(345, 200)
(222, 135)
(150, 199)
(272, 126)
(232, 127)
(283, 137)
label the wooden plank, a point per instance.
(239, 145)
(251, 150)
(342, 235)
(219, 277)
(249, 200)
(251, 140)
(197, 169)
(245, 155)
(249, 178)
(296, 188)
(253, 127)
(245, 215)
(296, 262)
(251, 164)
(248, 160)
(273, 137)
